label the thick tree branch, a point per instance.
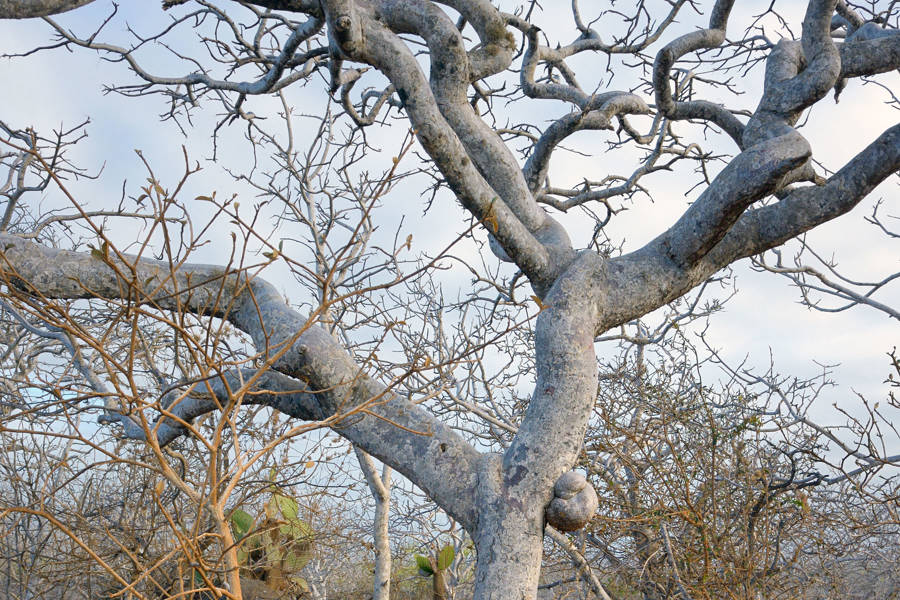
(797, 76)
(749, 177)
(805, 208)
(27, 9)
(566, 375)
(648, 278)
(311, 7)
(387, 426)
(495, 52)
(515, 488)
(871, 56)
(597, 114)
(691, 42)
(449, 82)
(184, 403)
(386, 51)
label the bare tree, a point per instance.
(446, 70)
(732, 490)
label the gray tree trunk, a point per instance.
(380, 487)
(501, 499)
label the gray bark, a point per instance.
(430, 453)
(501, 499)
(27, 9)
(380, 487)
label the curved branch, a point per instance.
(749, 177)
(565, 386)
(797, 76)
(553, 91)
(648, 278)
(871, 56)
(696, 109)
(381, 98)
(449, 82)
(497, 47)
(767, 227)
(270, 81)
(27, 9)
(607, 105)
(387, 426)
(189, 400)
(854, 20)
(305, 6)
(387, 52)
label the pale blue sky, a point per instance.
(50, 88)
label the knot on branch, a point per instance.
(346, 28)
(574, 502)
(343, 23)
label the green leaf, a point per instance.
(272, 536)
(445, 557)
(288, 507)
(273, 553)
(294, 561)
(241, 523)
(424, 565)
(253, 542)
(296, 530)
